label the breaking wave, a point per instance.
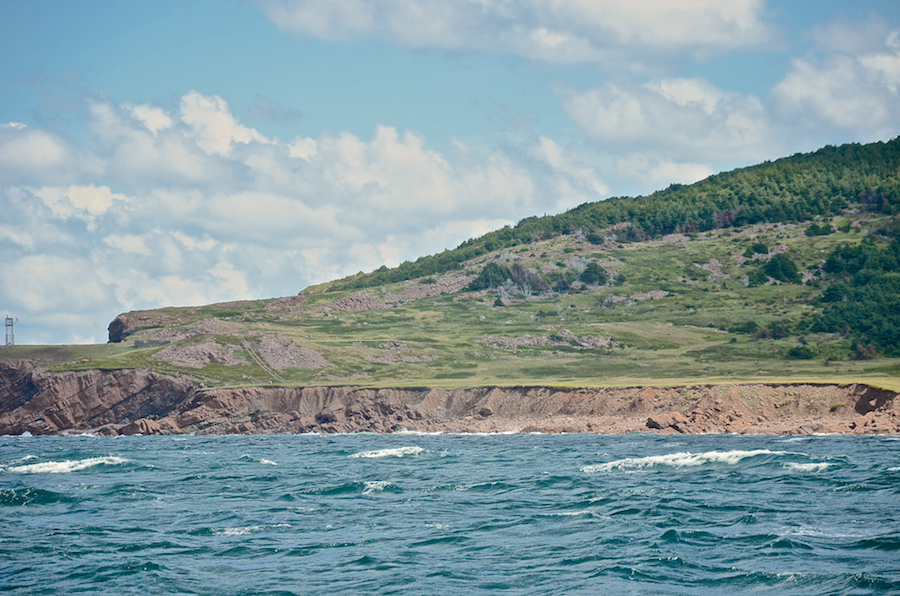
(396, 452)
(814, 467)
(63, 467)
(679, 460)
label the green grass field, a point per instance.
(466, 339)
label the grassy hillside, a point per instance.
(790, 190)
(785, 271)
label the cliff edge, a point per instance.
(135, 401)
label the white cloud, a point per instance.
(14, 126)
(93, 199)
(845, 36)
(304, 148)
(231, 281)
(555, 31)
(853, 85)
(45, 284)
(194, 243)
(84, 202)
(887, 65)
(658, 172)
(17, 236)
(33, 151)
(690, 118)
(155, 119)
(128, 243)
(138, 155)
(214, 128)
(579, 184)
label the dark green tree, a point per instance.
(594, 274)
(492, 276)
(782, 268)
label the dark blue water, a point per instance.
(411, 514)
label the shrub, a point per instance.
(817, 230)
(757, 278)
(782, 268)
(750, 327)
(757, 248)
(862, 352)
(492, 276)
(775, 330)
(801, 353)
(594, 274)
(595, 238)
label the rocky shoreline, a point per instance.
(135, 401)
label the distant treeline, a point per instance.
(792, 189)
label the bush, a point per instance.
(862, 352)
(758, 278)
(749, 328)
(758, 248)
(561, 281)
(774, 330)
(817, 230)
(492, 276)
(595, 238)
(801, 353)
(594, 274)
(782, 268)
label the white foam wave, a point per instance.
(678, 460)
(268, 462)
(893, 469)
(237, 531)
(396, 452)
(441, 527)
(418, 433)
(489, 434)
(816, 467)
(376, 486)
(587, 512)
(62, 467)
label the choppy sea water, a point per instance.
(452, 514)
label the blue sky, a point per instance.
(163, 153)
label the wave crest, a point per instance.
(679, 460)
(63, 467)
(395, 452)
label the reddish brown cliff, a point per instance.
(139, 401)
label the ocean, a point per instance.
(450, 514)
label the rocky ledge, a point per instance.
(142, 402)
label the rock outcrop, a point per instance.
(142, 402)
(127, 323)
(42, 402)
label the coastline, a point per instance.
(137, 401)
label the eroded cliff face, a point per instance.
(42, 402)
(139, 401)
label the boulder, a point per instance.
(672, 420)
(142, 427)
(332, 413)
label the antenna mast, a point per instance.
(10, 331)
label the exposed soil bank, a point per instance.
(139, 401)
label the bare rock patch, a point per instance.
(198, 355)
(281, 353)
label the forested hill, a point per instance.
(792, 189)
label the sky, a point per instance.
(183, 153)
